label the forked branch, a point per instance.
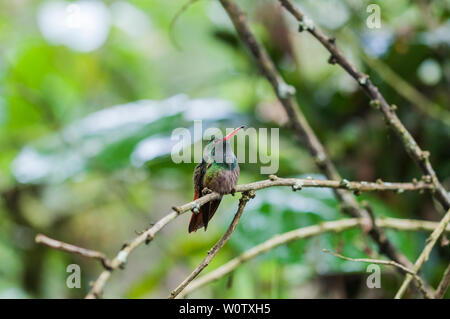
(377, 99)
(419, 281)
(218, 246)
(300, 126)
(302, 233)
(145, 237)
(423, 257)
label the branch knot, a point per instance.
(297, 186)
(345, 183)
(305, 24)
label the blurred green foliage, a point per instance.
(85, 142)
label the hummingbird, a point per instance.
(217, 172)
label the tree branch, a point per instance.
(419, 281)
(216, 248)
(303, 131)
(295, 183)
(406, 90)
(423, 257)
(302, 233)
(443, 285)
(377, 100)
(145, 237)
(42, 239)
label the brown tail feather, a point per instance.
(205, 214)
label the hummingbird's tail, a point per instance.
(206, 212)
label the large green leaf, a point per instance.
(110, 138)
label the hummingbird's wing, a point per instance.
(197, 218)
(206, 212)
(199, 173)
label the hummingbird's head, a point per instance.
(219, 149)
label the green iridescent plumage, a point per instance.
(218, 172)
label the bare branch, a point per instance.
(419, 281)
(174, 20)
(301, 233)
(371, 261)
(406, 90)
(408, 224)
(296, 184)
(377, 100)
(443, 285)
(423, 257)
(301, 128)
(42, 239)
(216, 248)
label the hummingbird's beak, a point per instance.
(226, 138)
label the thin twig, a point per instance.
(56, 244)
(301, 128)
(419, 281)
(443, 285)
(408, 224)
(423, 257)
(216, 248)
(406, 90)
(175, 19)
(377, 100)
(302, 233)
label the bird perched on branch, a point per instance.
(218, 172)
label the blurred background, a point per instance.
(90, 92)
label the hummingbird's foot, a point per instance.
(206, 191)
(233, 191)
